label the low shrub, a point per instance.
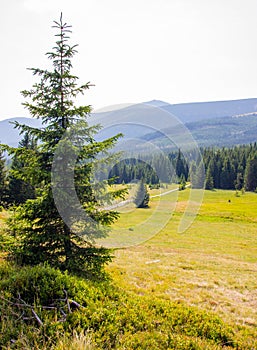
(114, 318)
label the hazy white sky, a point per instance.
(135, 50)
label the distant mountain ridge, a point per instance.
(195, 111)
(11, 136)
(217, 123)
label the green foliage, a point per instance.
(209, 184)
(225, 168)
(3, 185)
(154, 187)
(41, 233)
(18, 189)
(197, 175)
(6, 241)
(41, 284)
(181, 166)
(129, 170)
(113, 318)
(182, 183)
(231, 168)
(251, 173)
(142, 196)
(39, 239)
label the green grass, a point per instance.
(137, 225)
(196, 290)
(213, 265)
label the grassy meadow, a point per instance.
(167, 290)
(212, 265)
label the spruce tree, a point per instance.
(142, 196)
(197, 175)
(239, 183)
(42, 234)
(209, 184)
(251, 173)
(180, 165)
(18, 189)
(227, 176)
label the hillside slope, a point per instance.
(211, 123)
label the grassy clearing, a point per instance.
(196, 290)
(213, 265)
(138, 225)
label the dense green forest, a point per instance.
(225, 168)
(231, 168)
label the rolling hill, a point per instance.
(218, 123)
(11, 136)
(224, 131)
(193, 112)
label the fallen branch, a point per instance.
(36, 317)
(67, 301)
(75, 305)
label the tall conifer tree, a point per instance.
(142, 196)
(251, 173)
(41, 232)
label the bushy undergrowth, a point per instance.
(6, 241)
(108, 317)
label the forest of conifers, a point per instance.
(225, 168)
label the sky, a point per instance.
(134, 51)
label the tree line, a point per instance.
(153, 169)
(225, 168)
(231, 168)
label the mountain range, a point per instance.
(220, 123)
